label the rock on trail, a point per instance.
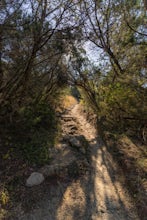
(35, 179)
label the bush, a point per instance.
(33, 131)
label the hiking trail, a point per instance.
(97, 195)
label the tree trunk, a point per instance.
(1, 70)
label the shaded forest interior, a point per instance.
(54, 54)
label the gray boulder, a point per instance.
(75, 142)
(80, 143)
(35, 179)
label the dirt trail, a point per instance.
(98, 195)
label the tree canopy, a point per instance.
(43, 49)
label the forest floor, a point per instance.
(97, 194)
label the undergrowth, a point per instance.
(31, 133)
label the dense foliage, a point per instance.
(42, 49)
(115, 85)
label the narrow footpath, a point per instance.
(97, 195)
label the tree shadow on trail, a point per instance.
(99, 202)
(82, 197)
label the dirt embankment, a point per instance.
(131, 156)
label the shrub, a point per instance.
(34, 131)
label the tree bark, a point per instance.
(1, 70)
